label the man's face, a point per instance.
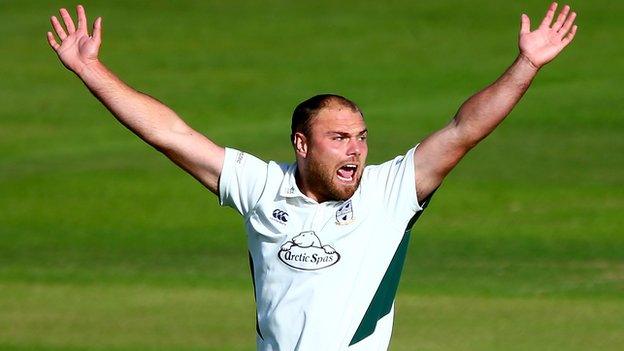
(336, 154)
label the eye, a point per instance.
(338, 138)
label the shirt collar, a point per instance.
(289, 186)
(290, 189)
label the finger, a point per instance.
(525, 24)
(58, 28)
(97, 30)
(567, 24)
(82, 18)
(69, 23)
(561, 18)
(52, 41)
(568, 38)
(549, 15)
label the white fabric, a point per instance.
(307, 302)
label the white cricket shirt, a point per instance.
(325, 275)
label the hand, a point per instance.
(546, 42)
(77, 49)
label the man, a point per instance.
(327, 235)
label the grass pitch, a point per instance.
(106, 245)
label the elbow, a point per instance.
(165, 139)
(465, 136)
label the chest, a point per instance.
(310, 236)
(329, 221)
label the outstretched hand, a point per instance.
(546, 42)
(77, 48)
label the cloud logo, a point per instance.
(305, 251)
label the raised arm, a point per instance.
(146, 117)
(436, 156)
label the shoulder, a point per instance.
(277, 177)
(390, 167)
(392, 185)
(245, 179)
(235, 158)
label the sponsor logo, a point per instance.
(305, 251)
(344, 214)
(239, 157)
(280, 216)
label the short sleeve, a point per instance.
(394, 182)
(242, 180)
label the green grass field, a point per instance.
(105, 245)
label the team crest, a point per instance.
(305, 251)
(344, 214)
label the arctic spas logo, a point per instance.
(305, 251)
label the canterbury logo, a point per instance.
(280, 215)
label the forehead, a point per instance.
(338, 119)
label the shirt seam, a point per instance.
(253, 209)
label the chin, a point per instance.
(341, 191)
(329, 185)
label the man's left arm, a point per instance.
(438, 154)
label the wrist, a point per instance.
(524, 60)
(87, 67)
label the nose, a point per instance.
(355, 147)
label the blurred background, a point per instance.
(104, 244)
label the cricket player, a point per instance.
(327, 234)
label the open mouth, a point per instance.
(346, 173)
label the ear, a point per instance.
(301, 144)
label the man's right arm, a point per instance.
(145, 116)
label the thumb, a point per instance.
(525, 24)
(97, 30)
